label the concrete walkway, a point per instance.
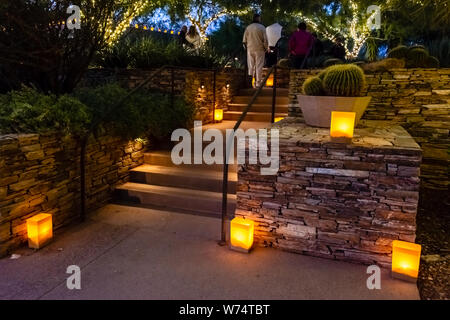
(135, 253)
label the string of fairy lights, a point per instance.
(154, 29)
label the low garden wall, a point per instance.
(195, 85)
(417, 99)
(333, 200)
(41, 173)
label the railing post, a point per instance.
(226, 156)
(223, 237)
(214, 95)
(274, 93)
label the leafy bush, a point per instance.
(98, 108)
(440, 49)
(146, 52)
(27, 110)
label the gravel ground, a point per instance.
(433, 233)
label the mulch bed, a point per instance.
(433, 233)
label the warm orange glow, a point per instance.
(136, 26)
(40, 230)
(145, 27)
(218, 114)
(405, 260)
(278, 119)
(241, 233)
(342, 124)
(152, 29)
(171, 32)
(269, 82)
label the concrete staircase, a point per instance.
(261, 110)
(195, 188)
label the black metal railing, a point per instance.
(230, 143)
(172, 79)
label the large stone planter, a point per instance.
(317, 109)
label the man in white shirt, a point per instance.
(255, 40)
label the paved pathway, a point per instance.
(135, 253)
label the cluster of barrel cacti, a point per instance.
(344, 80)
(416, 56)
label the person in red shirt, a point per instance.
(300, 44)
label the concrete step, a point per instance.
(281, 108)
(163, 158)
(251, 116)
(197, 179)
(261, 100)
(282, 92)
(201, 202)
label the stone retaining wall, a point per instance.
(338, 201)
(40, 173)
(199, 90)
(283, 77)
(417, 99)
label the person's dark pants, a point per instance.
(297, 61)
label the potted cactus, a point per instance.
(337, 88)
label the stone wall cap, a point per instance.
(370, 134)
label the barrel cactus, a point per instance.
(416, 58)
(332, 62)
(398, 52)
(345, 80)
(322, 74)
(313, 86)
(432, 62)
(417, 46)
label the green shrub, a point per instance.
(29, 111)
(117, 56)
(151, 114)
(313, 86)
(332, 62)
(145, 52)
(416, 58)
(344, 80)
(440, 49)
(398, 52)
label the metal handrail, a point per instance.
(230, 142)
(159, 70)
